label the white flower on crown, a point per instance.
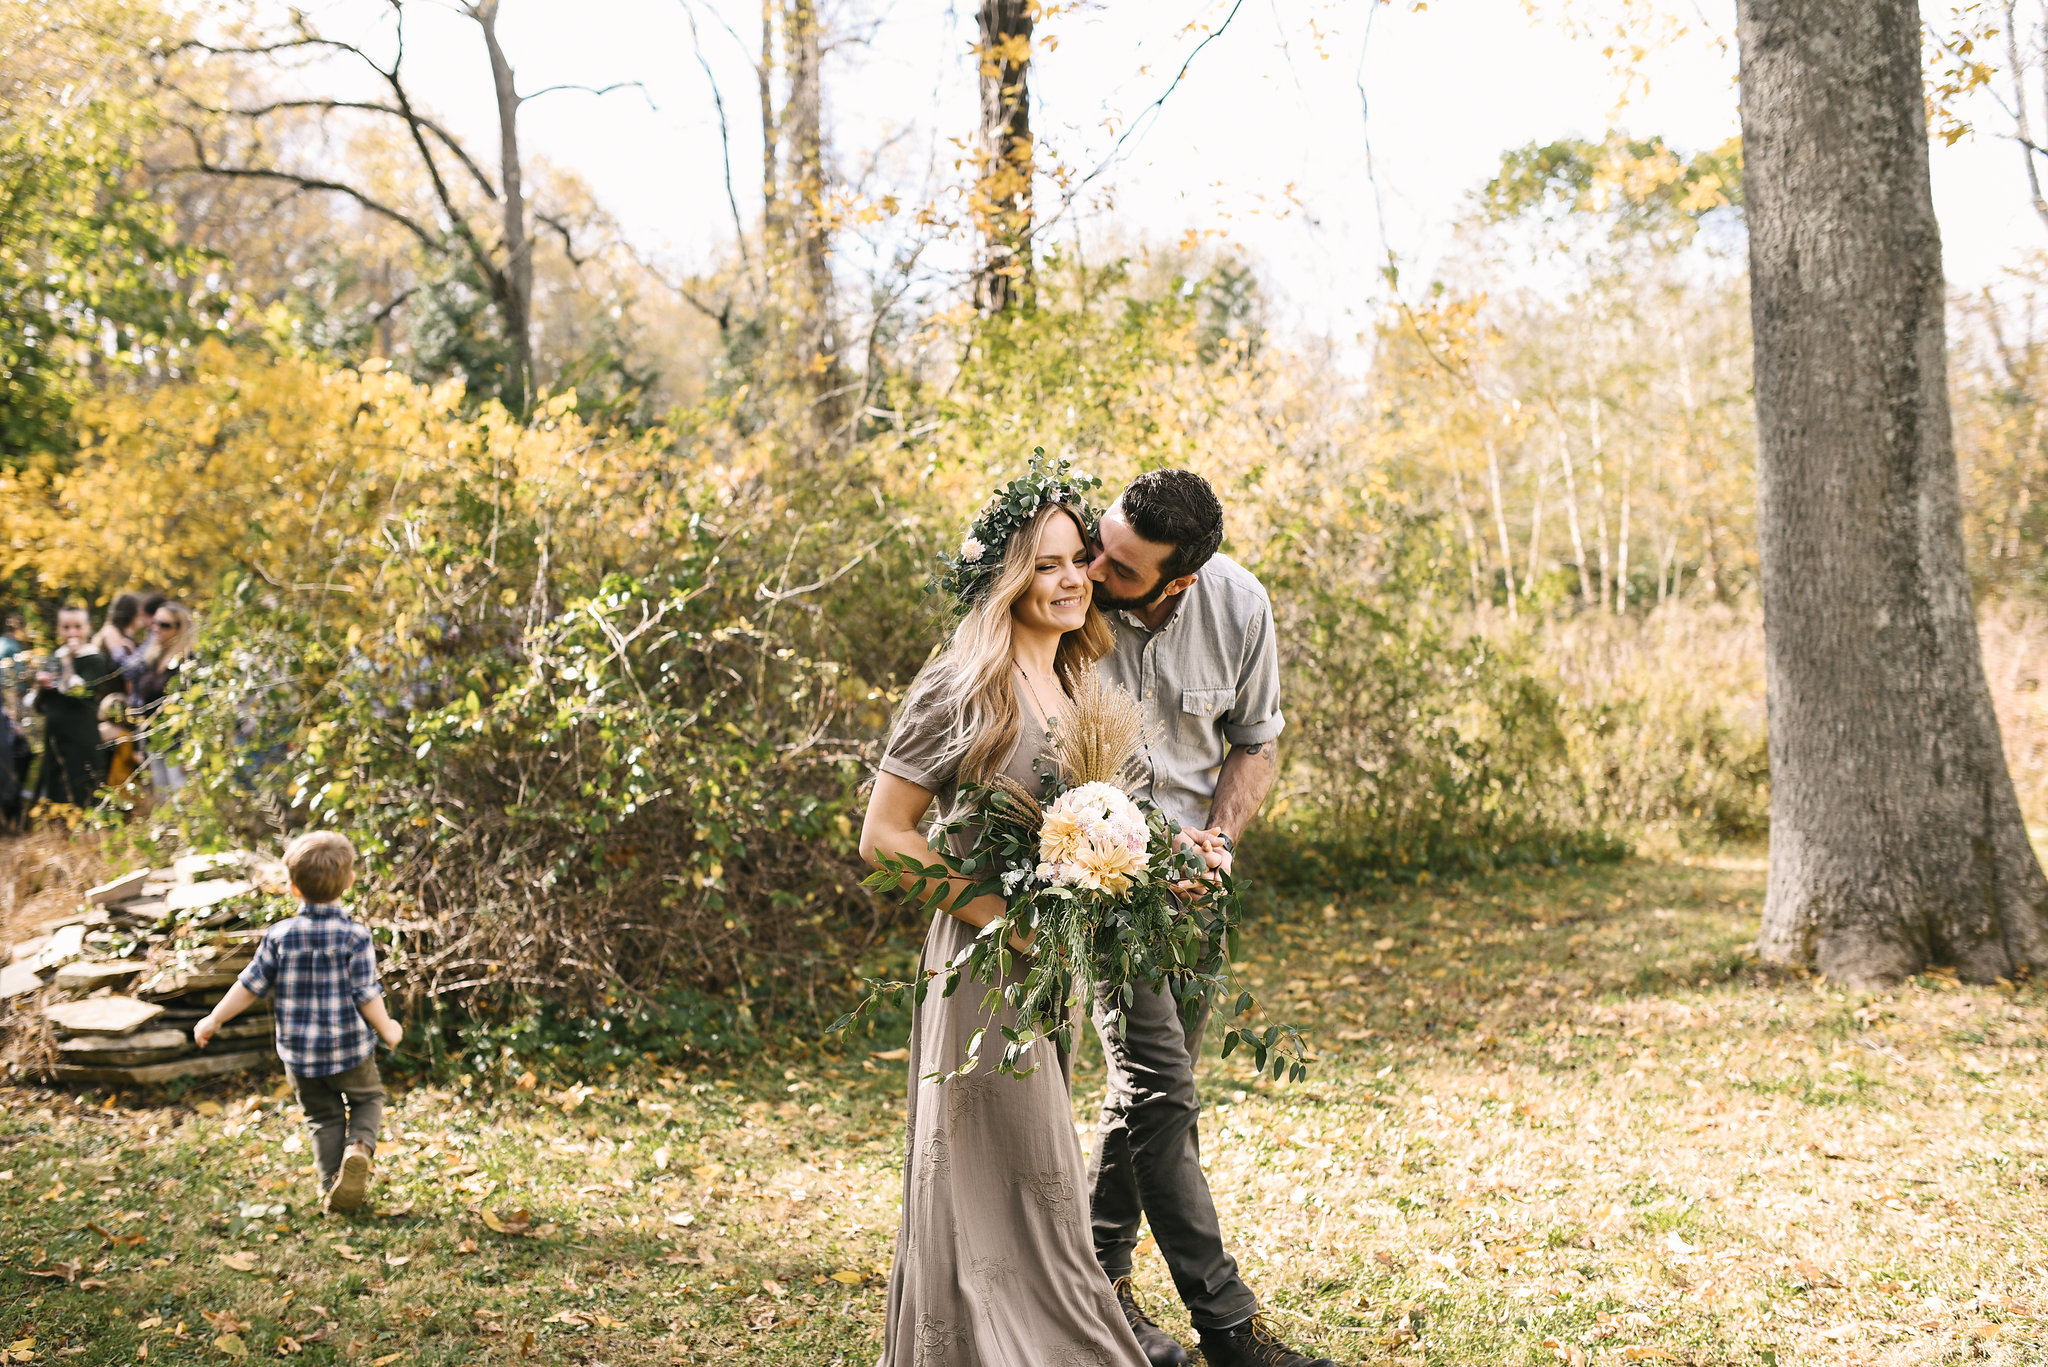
(971, 550)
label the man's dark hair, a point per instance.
(152, 601)
(127, 607)
(1175, 508)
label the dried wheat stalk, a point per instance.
(1102, 734)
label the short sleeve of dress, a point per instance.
(921, 745)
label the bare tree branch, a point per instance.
(441, 134)
(1116, 150)
(739, 228)
(593, 90)
(201, 166)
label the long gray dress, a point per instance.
(994, 1264)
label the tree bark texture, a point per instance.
(516, 291)
(1007, 166)
(1896, 838)
(798, 245)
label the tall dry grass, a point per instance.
(2015, 638)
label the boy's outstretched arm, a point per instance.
(388, 1030)
(238, 1000)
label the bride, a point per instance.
(994, 1266)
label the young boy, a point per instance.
(322, 969)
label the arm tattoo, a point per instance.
(1257, 749)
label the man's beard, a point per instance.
(1109, 602)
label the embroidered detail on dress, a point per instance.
(988, 1274)
(1077, 1355)
(934, 1338)
(965, 1097)
(938, 1160)
(1054, 1193)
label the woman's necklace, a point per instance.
(1044, 715)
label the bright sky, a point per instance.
(1263, 140)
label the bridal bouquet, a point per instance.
(1092, 876)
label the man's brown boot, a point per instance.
(1160, 1348)
(1253, 1344)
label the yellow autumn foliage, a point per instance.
(313, 479)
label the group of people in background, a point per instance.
(76, 719)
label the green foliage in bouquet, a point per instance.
(1093, 879)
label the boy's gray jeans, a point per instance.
(342, 1109)
(1148, 1162)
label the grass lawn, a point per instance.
(1558, 1119)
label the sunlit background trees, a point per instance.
(579, 588)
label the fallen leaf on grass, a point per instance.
(232, 1345)
(1644, 1353)
(1987, 1330)
(92, 1284)
(515, 1222)
(224, 1321)
(466, 1246)
(1813, 1274)
(1386, 1260)
(680, 1217)
(661, 1158)
(1573, 1355)
(151, 1323)
(397, 1259)
(345, 1252)
(59, 1271)
(849, 1278)
(240, 1262)
(287, 1345)
(386, 1360)
(208, 1108)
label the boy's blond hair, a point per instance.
(320, 865)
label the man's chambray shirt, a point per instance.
(318, 968)
(1208, 680)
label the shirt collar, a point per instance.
(323, 909)
(1138, 622)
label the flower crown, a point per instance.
(967, 575)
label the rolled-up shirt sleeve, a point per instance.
(1255, 717)
(363, 985)
(262, 969)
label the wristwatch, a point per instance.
(1228, 843)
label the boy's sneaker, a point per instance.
(352, 1183)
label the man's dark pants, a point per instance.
(342, 1109)
(1148, 1162)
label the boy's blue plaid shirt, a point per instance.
(318, 968)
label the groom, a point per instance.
(1194, 645)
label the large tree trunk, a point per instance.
(517, 290)
(1896, 839)
(1003, 196)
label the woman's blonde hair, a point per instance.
(971, 681)
(181, 642)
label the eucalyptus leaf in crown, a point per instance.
(1094, 876)
(967, 574)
